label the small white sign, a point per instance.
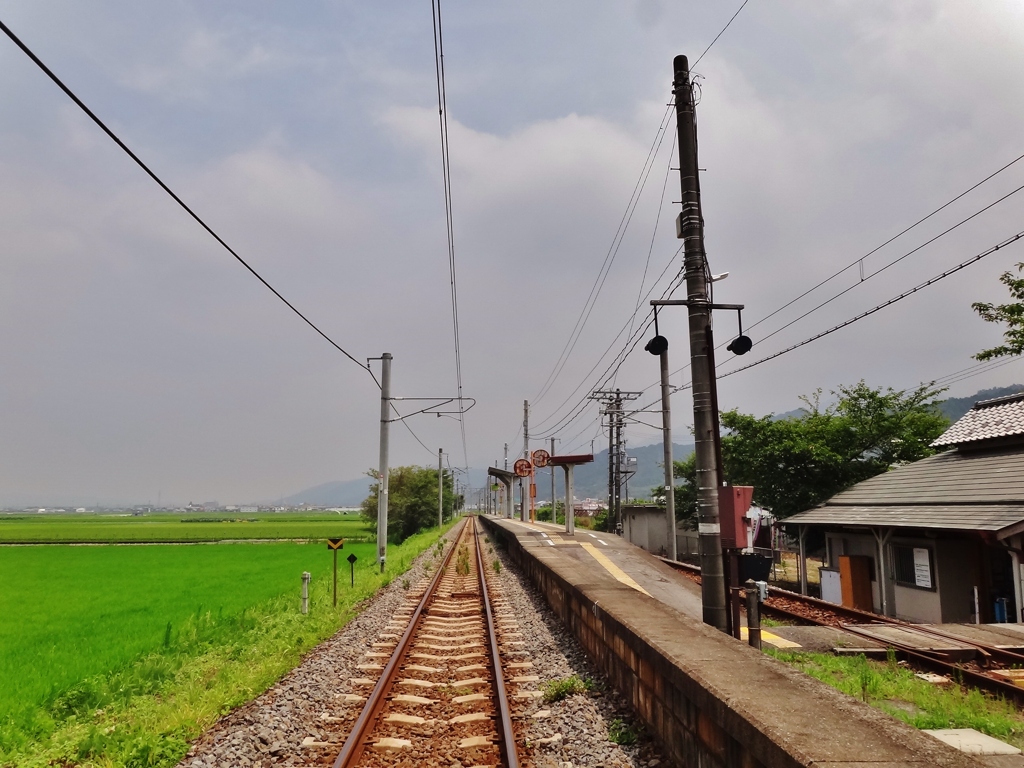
(922, 568)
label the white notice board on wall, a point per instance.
(922, 567)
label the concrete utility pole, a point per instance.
(440, 491)
(526, 455)
(382, 491)
(690, 228)
(554, 515)
(612, 401)
(610, 410)
(666, 428)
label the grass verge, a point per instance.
(892, 687)
(146, 712)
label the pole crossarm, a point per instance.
(693, 303)
(432, 409)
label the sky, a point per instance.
(143, 364)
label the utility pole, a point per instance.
(666, 428)
(617, 463)
(526, 455)
(610, 410)
(690, 228)
(506, 457)
(382, 485)
(612, 401)
(554, 513)
(440, 491)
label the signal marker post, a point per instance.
(334, 545)
(352, 564)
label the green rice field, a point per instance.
(169, 527)
(72, 612)
(117, 655)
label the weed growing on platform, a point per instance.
(556, 690)
(891, 687)
(497, 565)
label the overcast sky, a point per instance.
(142, 363)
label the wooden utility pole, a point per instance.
(690, 229)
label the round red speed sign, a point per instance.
(540, 458)
(522, 467)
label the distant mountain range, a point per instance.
(591, 480)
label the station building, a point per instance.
(940, 540)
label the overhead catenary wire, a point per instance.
(877, 248)
(881, 269)
(617, 360)
(609, 259)
(138, 161)
(919, 287)
(442, 112)
(722, 32)
(890, 264)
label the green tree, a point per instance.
(412, 501)
(796, 463)
(1010, 314)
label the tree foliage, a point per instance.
(412, 501)
(1010, 314)
(796, 463)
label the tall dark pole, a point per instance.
(690, 229)
(618, 461)
(611, 467)
(382, 487)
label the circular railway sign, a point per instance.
(522, 467)
(540, 458)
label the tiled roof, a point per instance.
(979, 517)
(1000, 417)
(951, 490)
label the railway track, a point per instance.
(441, 695)
(982, 672)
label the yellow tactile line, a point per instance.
(771, 638)
(612, 568)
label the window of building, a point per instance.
(914, 566)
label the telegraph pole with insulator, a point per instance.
(690, 229)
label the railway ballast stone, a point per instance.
(288, 724)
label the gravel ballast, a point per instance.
(305, 717)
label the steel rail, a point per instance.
(958, 673)
(508, 742)
(925, 659)
(354, 744)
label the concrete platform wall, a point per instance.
(711, 701)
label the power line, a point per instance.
(611, 344)
(878, 308)
(899, 234)
(975, 370)
(692, 66)
(49, 73)
(882, 268)
(442, 116)
(609, 259)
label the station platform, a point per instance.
(639, 570)
(711, 699)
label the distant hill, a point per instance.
(590, 481)
(955, 407)
(952, 409)
(338, 493)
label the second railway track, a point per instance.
(441, 695)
